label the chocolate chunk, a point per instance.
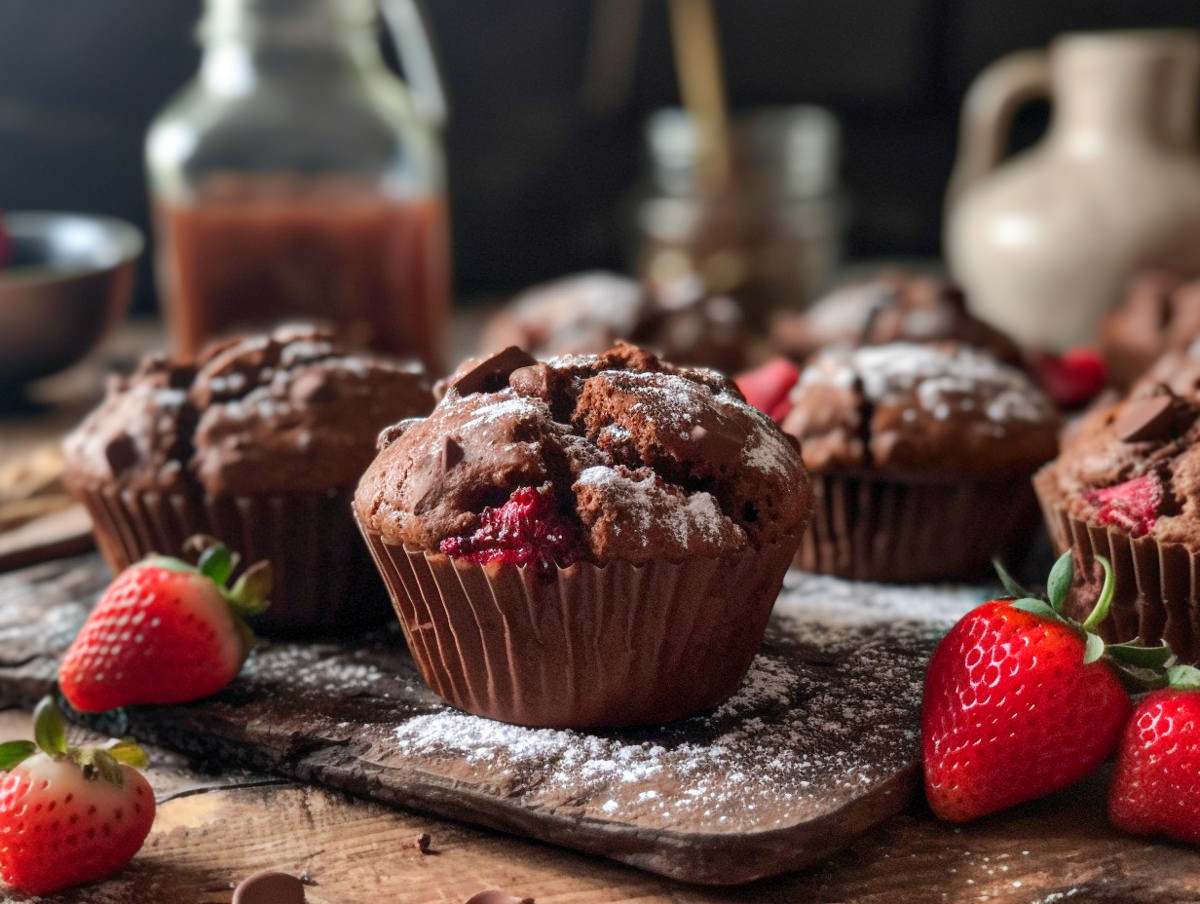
(491, 374)
(532, 381)
(452, 453)
(1149, 418)
(495, 896)
(422, 842)
(120, 452)
(270, 887)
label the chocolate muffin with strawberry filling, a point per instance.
(1127, 487)
(591, 540)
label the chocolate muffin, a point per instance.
(588, 312)
(921, 457)
(1160, 314)
(595, 540)
(1127, 486)
(893, 307)
(260, 442)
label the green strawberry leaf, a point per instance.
(128, 752)
(217, 563)
(1060, 581)
(1104, 601)
(1035, 606)
(1094, 651)
(1010, 584)
(15, 752)
(249, 595)
(1138, 680)
(1135, 653)
(49, 730)
(1183, 677)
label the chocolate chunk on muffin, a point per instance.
(893, 307)
(587, 312)
(1160, 314)
(1127, 487)
(260, 442)
(634, 516)
(921, 457)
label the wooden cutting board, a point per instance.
(818, 745)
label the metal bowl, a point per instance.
(69, 281)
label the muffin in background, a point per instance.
(587, 312)
(596, 540)
(1160, 314)
(1127, 486)
(920, 457)
(260, 442)
(892, 307)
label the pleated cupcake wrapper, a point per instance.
(872, 529)
(1157, 585)
(590, 646)
(323, 578)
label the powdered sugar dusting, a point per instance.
(943, 382)
(827, 711)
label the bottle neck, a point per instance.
(248, 42)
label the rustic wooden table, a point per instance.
(212, 831)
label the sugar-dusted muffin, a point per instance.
(587, 312)
(921, 457)
(1127, 486)
(893, 307)
(260, 442)
(593, 540)
(1160, 314)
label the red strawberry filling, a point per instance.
(528, 529)
(1133, 505)
(767, 387)
(1072, 379)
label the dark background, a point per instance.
(541, 179)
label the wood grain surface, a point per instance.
(817, 747)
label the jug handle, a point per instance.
(414, 47)
(987, 114)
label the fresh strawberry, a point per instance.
(1020, 702)
(164, 632)
(768, 387)
(69, 815)
(1072, 379)
(527, 529)
(1133, 505)
(1156, 785)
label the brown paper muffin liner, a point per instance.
(323, 578)
(868, 528)
(1157, 585)
(594, 646)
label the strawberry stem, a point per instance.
(1104, 601)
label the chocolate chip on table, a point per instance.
(495, 896)
(422, 842)
(270, 887)
(1147, 418)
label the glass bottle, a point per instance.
(294, 178)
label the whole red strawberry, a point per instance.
(1156, 784)
(69, 815)
(1074, 378)
(164, 632)
(1020, 702)
(768, 387)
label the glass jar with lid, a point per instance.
(295, 178)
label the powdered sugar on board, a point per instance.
(827, 712)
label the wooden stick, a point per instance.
(702, 86)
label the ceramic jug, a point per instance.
(1045, 243)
